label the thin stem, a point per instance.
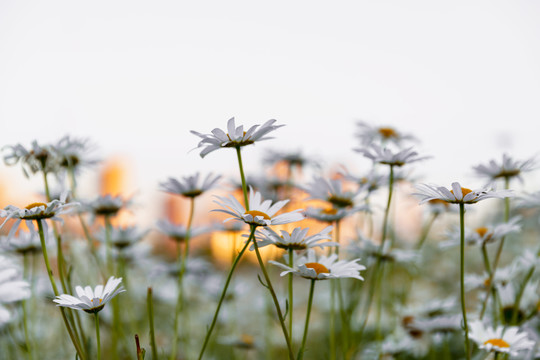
(462, 276)
(29, 345)
(425, 230)
(150, 310)
(332, 322)
(273, 293)
(519, 295)
(182, 262)
(290, 288)
(140, 352)
(224, 292)
(242, 177)
(97, 336)
(306, 326)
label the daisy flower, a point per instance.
(36, 211)
(484, 234)
(91, 301)
(72, 152)
(368, 134)
(332, 214)
(501, 340)
(331, 191)
(290, 158)
(383, 155)
(458, 194)
(12, 288)
(122, 237)
(508, 168)
(368, 183)
(189, 186)
(261, 213)
(311, 266)
(296, 240)
(235, 137)
(178, 232)
(25, 242)
(37, 158)
(106, 205)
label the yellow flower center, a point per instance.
(387, 132)
(34, 205)
(319, 268)
(464, 191)
(258, 213)
(498, 343)
(329, 211)
(482, 231)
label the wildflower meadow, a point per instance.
(294, 260)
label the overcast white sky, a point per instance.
(136, 76)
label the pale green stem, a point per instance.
(425, 231)
(224, 292)
(274, 297)
(108, 244)
(520, 295)
(182, 262)
(332, 322)
(150, 310)
(243, 178)
(462, 277)
(290, 288)
(506, 218)
(74, 339)
(98, 341)
(491, 289)
(306, 326)
(29, 344)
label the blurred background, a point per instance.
(136, 76)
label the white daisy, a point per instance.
(235, 137)
(91, 301)
(296, 240)
(331, 214)
(122, 237)
(189, 186)
(72, 152)
(482, 235)
(369, 183)
(178, 232)
(37, 158)
(290, 158)
(330, 190)
(508, 341)
(383, 155)
(106, 205)
(261, 213)
(529, 302)
(383, 134)
(311, 266)
(12, 287)
(458, 194)
(508, 168)
(25, 242)
(36, 211)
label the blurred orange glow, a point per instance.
(113, 182)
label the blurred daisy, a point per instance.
(12, 287)
(106, 205)
(36, 211)
(37, 158)
(368, 134)
(508, 168)
(25, 242)
(369, 183)
(72, 152)
(235, 137)
(331, 214)
(178, 232)
(189, 186)
(290, 158)
(458, 194)
(484, 234)
(503, 340)
(529, 301)
(296, 240)
(311, 266)
(383, 155)
(261, 213)
(365, 247)
(123, 237)
(91, 301)
(331, 191)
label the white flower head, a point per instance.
(261, 213)
(73, 152)
(235, 137)
(483, 234)
(458, 194)
(507, 341)
(189, 186)
(296, 240)
(122, 237)
(91, 300)
(106, 205)
(12, 287)
(332, 214)
(368, 134)
(36, 211)
(331, 190)
(311, 266)
(178, 232)
(384, 155)
(37, 158)
(508, 168)
(25, 242)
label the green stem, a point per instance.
(151, 321)
(304, 337)
(74, 339)
(96, 316)
(273, 293)
(290, 288)
(520, 295)
(425, 230)
(224, 292)
(462, 277)
(182, 262)
(332, 322)
(29, 345)
(243, 178)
